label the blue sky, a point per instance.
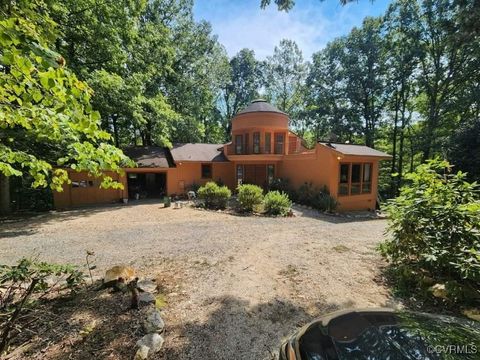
(312, 23)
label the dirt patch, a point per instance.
(234, 285)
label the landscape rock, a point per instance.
(153, 322)
(147, 286)
(473, 314)
(142, 353)
(439, 291)
(126, 273)
(153, 342)
(145, 298)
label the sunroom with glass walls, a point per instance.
(355, 179)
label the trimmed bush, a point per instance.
(435, 235)
(277, 203)
(249, 197)
(214, 196)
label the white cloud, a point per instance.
(312, 25)
(263, 29)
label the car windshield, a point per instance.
(401, 336)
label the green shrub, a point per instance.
(323, 201)
(306, 193)
(317, 198)
(214, 196)
(194, 187)
(435, 233)
(277, 203)
(283, 185)
(249, 197)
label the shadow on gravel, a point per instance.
(343, 218)
(89, 325)
(25, 224)
(237, 331)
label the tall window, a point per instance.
(355, 186)
(355, 179)
(344, 179)
(246, 148)
(239, 174)
(270, 173)
(256, 143)
(206, 171)
(367, 178)
(268, 143)
(279, 142)
(238, 144)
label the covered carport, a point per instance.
(149, 179)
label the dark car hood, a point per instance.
(383, 334)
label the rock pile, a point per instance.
(152, 322)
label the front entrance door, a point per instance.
(255, 174)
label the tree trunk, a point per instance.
(4, 195)
(393, 186)
(115, 129)
(403, 124)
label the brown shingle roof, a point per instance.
(360, 150)
(198, 152)
(148, 156)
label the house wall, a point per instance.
(323, 169)
(90, 194)
(185, 174)
(264, 122)
(178, 181)
(313, 167)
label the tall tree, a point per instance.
(194, 86)
(46, 118)
(329, 112)
(402, 27)
(463, 148)
(286, 72)
(443, 59)
(364, 71)
(243, 84)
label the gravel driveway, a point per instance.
(238, 285)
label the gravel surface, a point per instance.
(237, 285)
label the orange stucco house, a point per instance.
(262, 148)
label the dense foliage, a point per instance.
(214, 196)
(435, 232)
(283, 185)
(46, 117)
(276, 203)
(249, 197)
(318, 198)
